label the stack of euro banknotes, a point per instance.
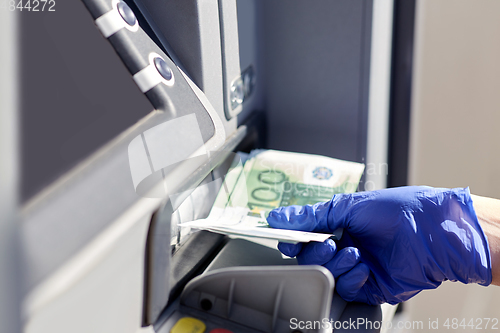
(263, 180)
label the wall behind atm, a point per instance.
(316, 56)
(454, 138)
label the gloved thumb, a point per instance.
(313, 218)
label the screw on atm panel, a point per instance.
(237, 93)
(163, 68)
(126, 13)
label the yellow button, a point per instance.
(188, 325)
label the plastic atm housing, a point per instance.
(263, 298)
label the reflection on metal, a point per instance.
(237, 93)
(378, 107)
(152, 152)
(249, 81)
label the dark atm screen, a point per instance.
(75, 93)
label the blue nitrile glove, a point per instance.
(396, 242)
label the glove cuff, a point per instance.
(463, 253)
(482, 274)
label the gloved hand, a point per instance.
(396, 242)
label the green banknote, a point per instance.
(276, 178)
(270, 179)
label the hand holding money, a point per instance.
(270, 179)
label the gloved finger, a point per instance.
(344, 261)
(348, 285)
(290, 250)
(317, 253)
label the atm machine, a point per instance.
(132, 111)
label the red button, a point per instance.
(220, 330)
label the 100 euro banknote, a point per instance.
(270, 179)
